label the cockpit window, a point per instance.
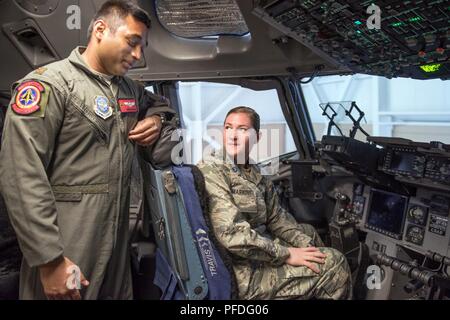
(201, 18)
(399, 107)
(204, 106)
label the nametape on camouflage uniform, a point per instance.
(128, 105)
(102, 108)
(242, 191)
(28, 97)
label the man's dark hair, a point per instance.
(115, 11)
(254, 116)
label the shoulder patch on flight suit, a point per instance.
(31, 98)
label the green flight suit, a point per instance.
(249, 222)
(65, 172)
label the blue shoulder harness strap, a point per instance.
(219, 280)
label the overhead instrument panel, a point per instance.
(387, 38)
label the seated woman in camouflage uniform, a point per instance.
(273, 256)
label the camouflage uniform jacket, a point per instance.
(247, 218)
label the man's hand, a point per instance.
(54, 278)
(146, 131)
(306, 257)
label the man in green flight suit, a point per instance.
(274, 257)
(65, 162)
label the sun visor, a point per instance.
(200, 18)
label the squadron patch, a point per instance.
(102, 108)
(28, 98)
(128, 106)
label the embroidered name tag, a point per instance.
(246, 192)
(128, 105)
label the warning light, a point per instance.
(431, 67)
(397, 24)
(358, 23)
(414, 19)
(422, 54)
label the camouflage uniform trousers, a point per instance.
(289, 282)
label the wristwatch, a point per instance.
(163, 117)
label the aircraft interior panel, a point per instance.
(383, 202)
(390, 38)
(402, 207)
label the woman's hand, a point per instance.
(306, 257)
